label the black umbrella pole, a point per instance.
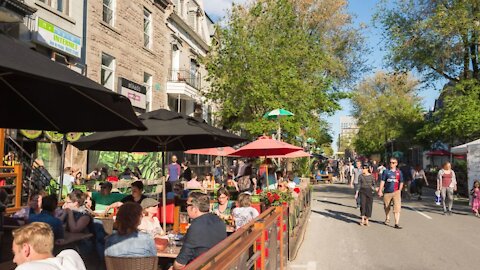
(62, 166)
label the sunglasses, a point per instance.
(189, 204)
(393, 162)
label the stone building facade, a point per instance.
(126, 49)
(189, 40)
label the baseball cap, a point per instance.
(148, 202)
(365, 165)
(106, 184)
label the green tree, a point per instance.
(267, 57)
(437, 38)
(458, 117)
(387, 109)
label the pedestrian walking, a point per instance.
(407, 180)
(475, 192)
(447, 184)
(365, 192)
(390, 188)
(357, 171)
(341, 171)
(419, 179)
(374, 170)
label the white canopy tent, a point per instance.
(462, 149)
(472, 149)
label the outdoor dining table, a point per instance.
(171, 255)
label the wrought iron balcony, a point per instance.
(194, 79)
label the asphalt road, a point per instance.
(429, 240)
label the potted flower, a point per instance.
(274, 197)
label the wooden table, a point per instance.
(166, 254)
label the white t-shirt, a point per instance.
(68, 181)
(243, 215)
(151, 227)
(65, 260)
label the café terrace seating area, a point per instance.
(267, 241)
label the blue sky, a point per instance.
(363, 11)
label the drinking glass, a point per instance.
(171, 242)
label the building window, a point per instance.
(147, 28)
(108, 71)
(147, 81)
(61, 6)
(109, 11)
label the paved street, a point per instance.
(335, 240)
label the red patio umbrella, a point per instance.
(265, 146)
(296, 154)
(215, 151)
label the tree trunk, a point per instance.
(466, 56)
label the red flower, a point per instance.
(269, 194)
(297, 190)
(270, 199)
(258, 191)
(276, 197)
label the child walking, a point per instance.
(475, 192)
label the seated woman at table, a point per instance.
(244, 212)
(128, 241)
(223, 208)
(193, 183)
(75, 212)
(150, 223)
(136, 196)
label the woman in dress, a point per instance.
(475, 192)
(365, 191)
(447, 184)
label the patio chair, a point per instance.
(131, 263)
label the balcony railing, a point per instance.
(185, 76)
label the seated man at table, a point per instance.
(33, 246)
(206, 230)
(105, 197)
(49, 204)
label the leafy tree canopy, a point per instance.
(272, 54)
(387, 108)
(438, 38)
(458, 116)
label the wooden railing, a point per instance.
(261, 244)
(299, 211)
(13, 185)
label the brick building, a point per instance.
(126, 49)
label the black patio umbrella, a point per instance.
(37, 93)
(166, 131)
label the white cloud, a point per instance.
(218, 8)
